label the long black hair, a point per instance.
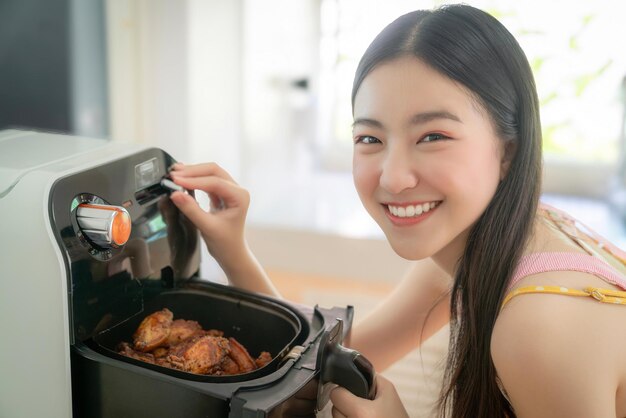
(474, 49)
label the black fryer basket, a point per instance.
(258, 323)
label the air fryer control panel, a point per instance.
(121, 238)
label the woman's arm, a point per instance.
(416, 309)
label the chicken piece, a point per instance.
(229, 367)
(202, 354)
(241, 356)
(153, 331)
(160, 352)
(126, 350)
(164, 362)
(214, 332)
(182, 330)
(263, 359)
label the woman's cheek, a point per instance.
(365, 177)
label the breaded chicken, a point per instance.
(184, 345)
(200, 354)
(153, 331)
(126, 350)
(181, 330)
(241, 356)
(263, 359)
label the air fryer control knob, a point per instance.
(104, 225)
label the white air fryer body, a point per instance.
(34, 354)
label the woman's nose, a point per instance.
(398, 172)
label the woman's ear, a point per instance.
(507, 156)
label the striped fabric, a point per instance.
(543, 262)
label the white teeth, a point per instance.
(411, 210)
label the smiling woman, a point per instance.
(447, 161)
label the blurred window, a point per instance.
(574, 49)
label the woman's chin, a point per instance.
(410, 251)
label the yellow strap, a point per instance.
(601, 295)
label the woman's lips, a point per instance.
(405, 214)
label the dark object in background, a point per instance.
(53, 66)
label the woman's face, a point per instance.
(426, 158)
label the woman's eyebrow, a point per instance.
(437, 114)
(367, 122)
(417, 119)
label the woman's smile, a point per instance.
(407, 214)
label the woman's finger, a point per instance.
(198, 170)
(337, 413)
(218, 188)
(188, 205)
(341, 396)
(347, 404)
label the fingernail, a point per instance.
(176, 166)
(171, 186)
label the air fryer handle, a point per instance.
(351, 370)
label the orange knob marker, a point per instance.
(120, 230)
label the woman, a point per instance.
(447, 160)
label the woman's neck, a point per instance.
(448, 257)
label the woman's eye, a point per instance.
(433, 137)
(366, 139)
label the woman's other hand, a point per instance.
(386, 404)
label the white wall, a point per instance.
(175, 76)
(214, 82)
(148, 73)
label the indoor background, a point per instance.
(263, 88)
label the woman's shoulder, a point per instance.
(543, 316)
(548, 348)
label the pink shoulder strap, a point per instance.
(542, 262)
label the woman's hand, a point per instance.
(386, 404)
(222, 227)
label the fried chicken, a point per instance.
(228, 367)
(127, 350)
(241, 356)
(160, 352)
(153, 331)
(183, 344)
(215, 332)
(201, 354)
(182, 330)
(263, 359)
